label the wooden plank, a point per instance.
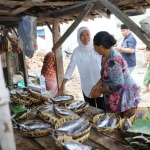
(9, 18)
(58, 53)
(126, 20)
(48, 25)
(18, 3)
(105, 141)
(73, 26)
(24, 143)
(9, 72)
(20, 9)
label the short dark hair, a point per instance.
(105, 39)
(123, 26)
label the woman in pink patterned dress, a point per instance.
(120, 91)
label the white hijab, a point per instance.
(84, 48)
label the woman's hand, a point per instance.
(95, 92)
(145, 63)
(61, 91)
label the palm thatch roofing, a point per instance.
(64, 10)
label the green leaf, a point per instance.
(128, 139)
(17, 109)
(148, 114)
(140, 126)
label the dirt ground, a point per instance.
(73, 86)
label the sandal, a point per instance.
(145, 91)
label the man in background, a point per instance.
(127, 48)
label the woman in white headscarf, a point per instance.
(88, 62)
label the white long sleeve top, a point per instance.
(89, 65)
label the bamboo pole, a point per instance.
(7, 141)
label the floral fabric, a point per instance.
(115, 75)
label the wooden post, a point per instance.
(9, 71)
(58, 53)
(126, 20)
(7, 141)
(73, 26)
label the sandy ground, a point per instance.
(73, 86)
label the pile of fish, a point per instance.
(127, 124)
(74, 126)
(33, 125)
(63, 112)
(62, 98)
(140, 142)
(106, 121)
(78, 104)
(75, 146)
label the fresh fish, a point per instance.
(69, 125)
(103, 120)
(140, 145)
(75, 146)
(76, 105)
(79, 128)
(64, 112)
(34, 126)
(46, 109)
(141, 138)
(112, 122)
(127, 124)
(62, 98)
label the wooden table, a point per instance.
(98, 140)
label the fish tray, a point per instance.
(121, 125)
(36, 133)
(64, 138)
(106, 130)
(64, 103)
(38, 96)
(47, 118)
(82, 109)
(82, 138)
(24, 115)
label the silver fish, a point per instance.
(53, 115)
(34, 126)
(103, 120)
(15, 116)
(112, 122)
(62, 98)
(69, 125)
(75, 146)
(75, 105)
(127, 124)
(64, 112)
(79, 128)
(46, 109)
(141, 138)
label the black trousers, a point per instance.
(99, 102)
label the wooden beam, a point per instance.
(55, 4)
(48, 25)
(73, 26)
(58, 53)
(20, 9)
(11, 19)
(9, 72)
(126, 20)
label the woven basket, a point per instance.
(106, 130)
(20, 101)
(64, 138)
(47, 118)
(65, 102)
(121, 126)
(35, 133)
(24, 115)
(82, 138)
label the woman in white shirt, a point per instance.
(88, 62)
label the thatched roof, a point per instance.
(64, 10)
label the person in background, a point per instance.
(121, 94)
(89, 65)
(146, 80)
(127, 48)
(49, 72)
